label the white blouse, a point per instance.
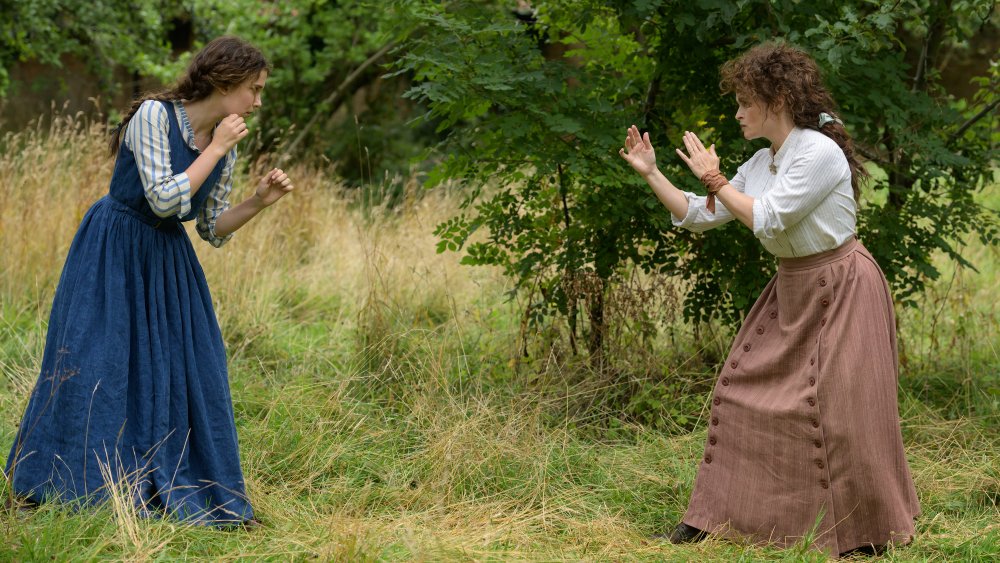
(806, 207)
(169, 194)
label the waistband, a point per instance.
(163, 224)
(820, 258)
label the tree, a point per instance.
(544, 132)
(323, 53)
(103, 34)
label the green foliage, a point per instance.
(102, 34)
(545, 132)
(314, 45)
(537, 112)
(934, 153)
(533, 110)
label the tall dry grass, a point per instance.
(52, 172)
(383, 415)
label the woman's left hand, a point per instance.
(701, 160)
(273, 186)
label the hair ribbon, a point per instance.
(825, 118)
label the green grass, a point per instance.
(384, 413)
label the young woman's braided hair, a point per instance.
(223, 63)
(779, 74)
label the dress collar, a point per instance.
(788, 146)
(187, 132)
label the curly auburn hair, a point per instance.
(779, 75)
(224, 62)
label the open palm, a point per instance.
(638, 151)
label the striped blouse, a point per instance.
(806, 207)
(169, 194)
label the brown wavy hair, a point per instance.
(223, 63)
(777, 74)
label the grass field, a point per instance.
(384, 412)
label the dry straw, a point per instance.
(381, 416)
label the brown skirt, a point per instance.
(804, 439)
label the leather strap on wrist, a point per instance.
(714, 181)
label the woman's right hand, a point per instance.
(228, 132)
(640, 154)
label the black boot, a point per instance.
(868, 550)
(686, 534)
(22, 505)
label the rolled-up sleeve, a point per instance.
(698, 218)
(147, 136)
(216, 203)
(807, 181)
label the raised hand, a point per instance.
(698, 158)
(273, 186)
(640, 154)
(228, 132)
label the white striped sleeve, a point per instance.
(148, 137)
(216, 203)
(811, 176)
(698, 218)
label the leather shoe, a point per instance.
(868, 550)
(686, 534)
(22, 505)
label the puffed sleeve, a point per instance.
(147, 136)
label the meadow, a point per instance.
(386, 410)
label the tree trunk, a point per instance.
(570, 272)
(333, 99)
(595, 344)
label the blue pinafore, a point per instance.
(133, 395)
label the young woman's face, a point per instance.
(245, 98)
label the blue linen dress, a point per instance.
(134, 391)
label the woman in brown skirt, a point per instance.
(803, 440)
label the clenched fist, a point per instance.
(228, 132)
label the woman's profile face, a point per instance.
(245, 98)
(752, 116)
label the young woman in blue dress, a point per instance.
(133, 394)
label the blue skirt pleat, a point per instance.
(133, 393)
